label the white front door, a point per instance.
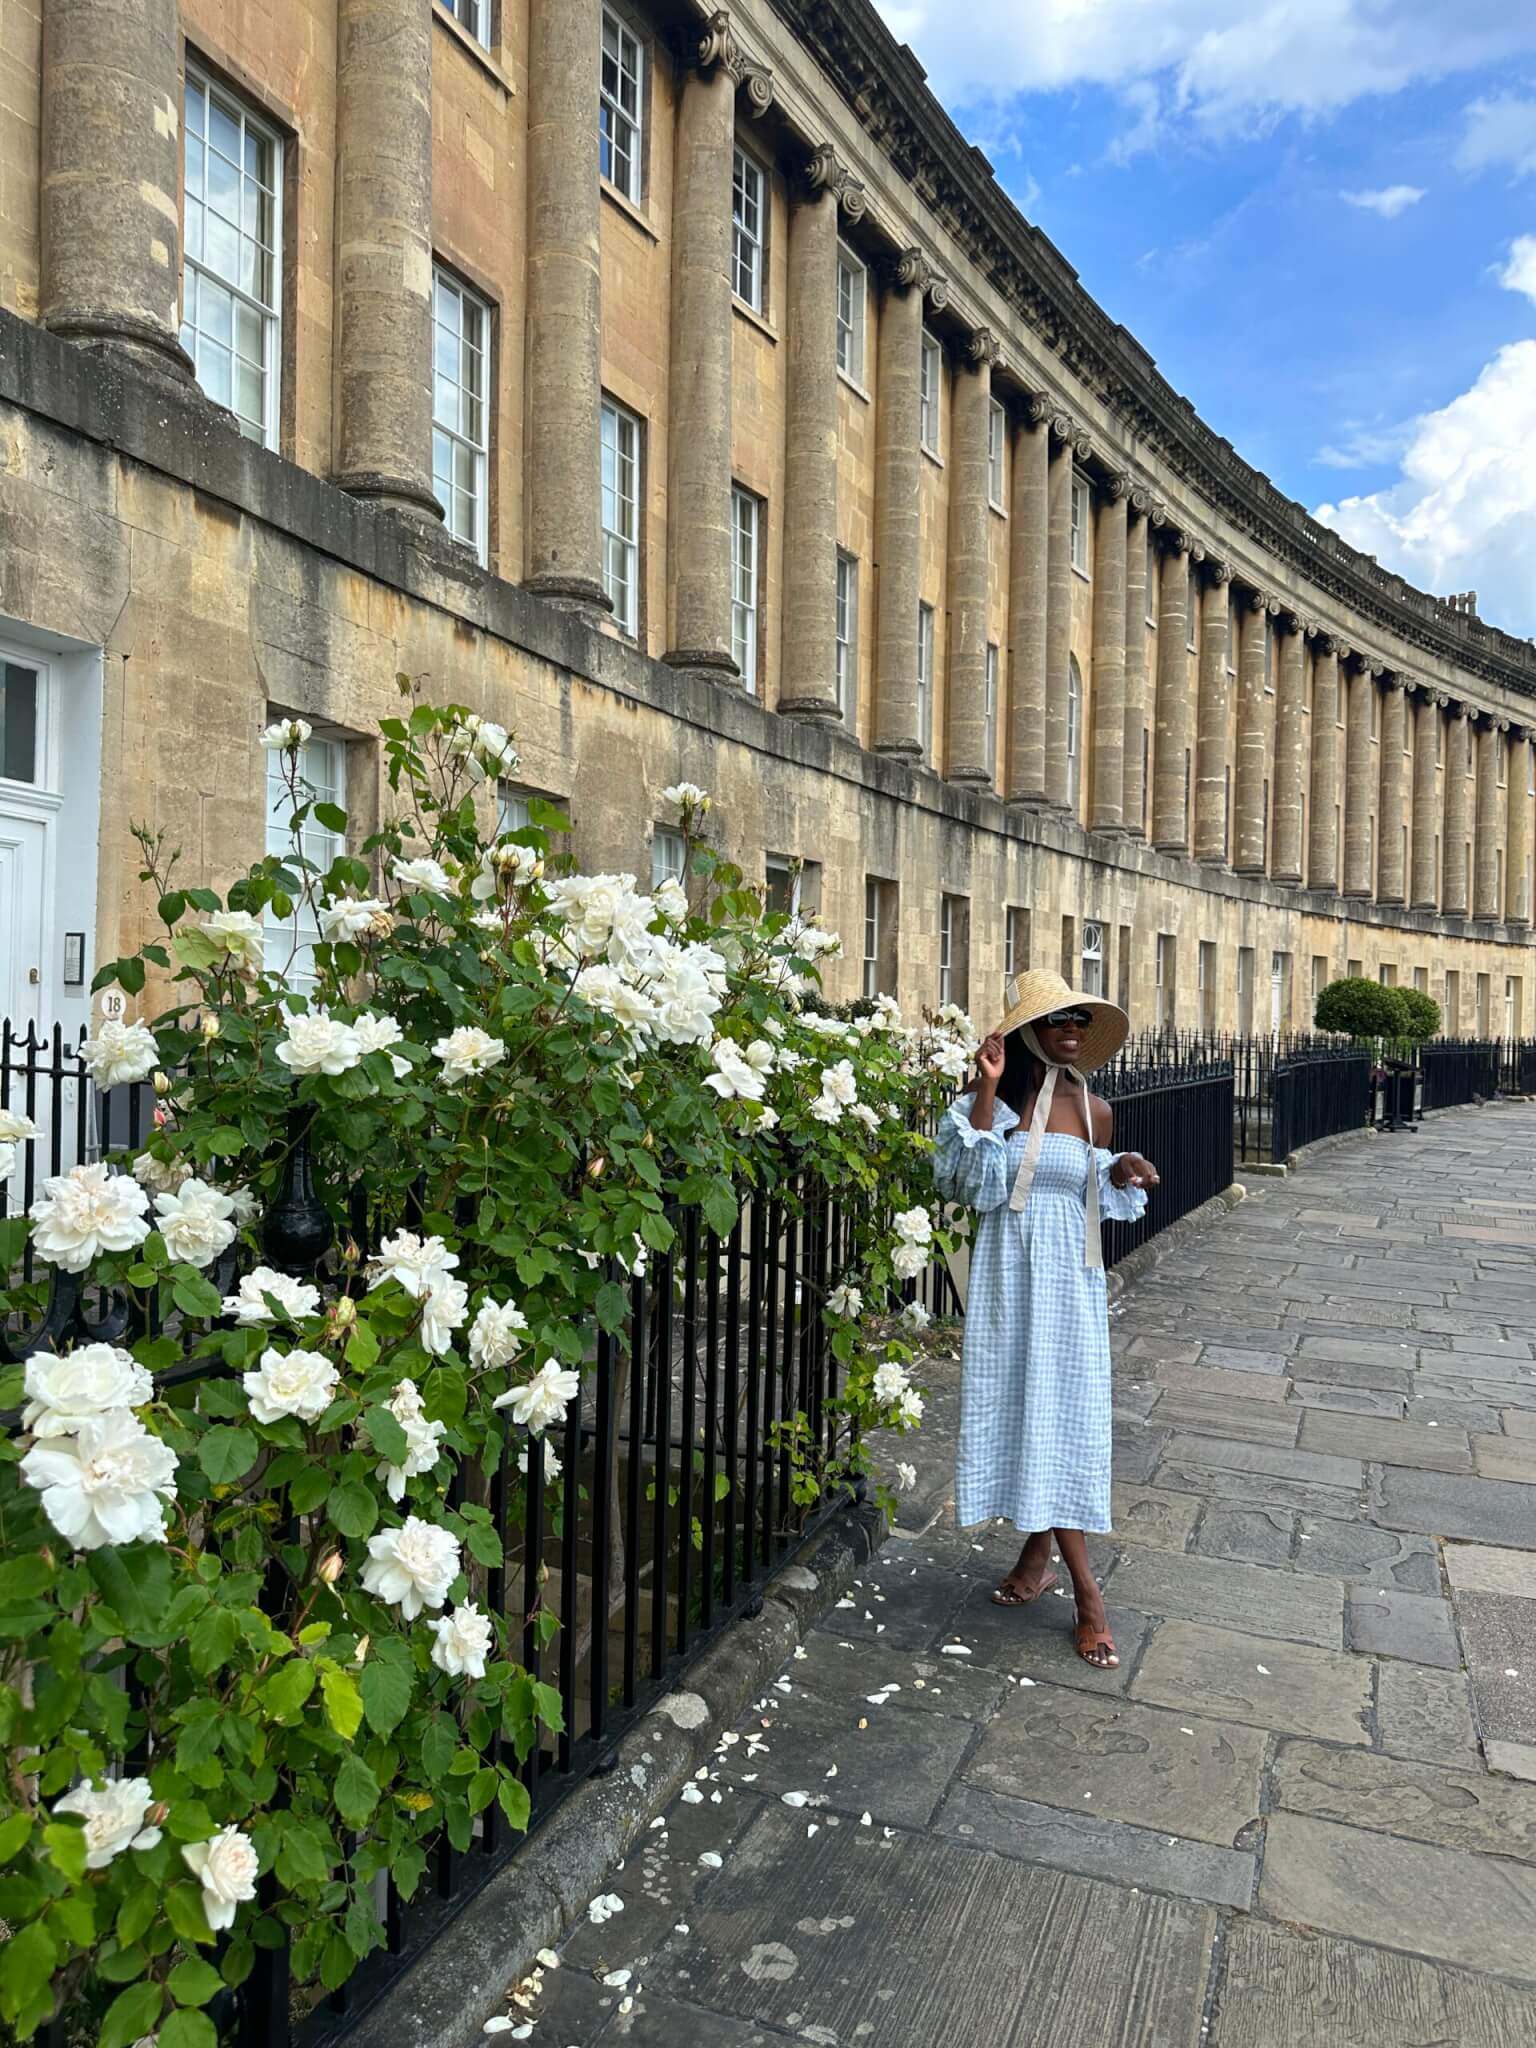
(1276, 992)
(23, 849)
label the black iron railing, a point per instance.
(1179, 1118)
(1460, 1070)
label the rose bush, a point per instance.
(243, 1670)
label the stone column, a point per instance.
(564, 319)
(111, 170)
(1426, 812)
(970, 581)
(384, 254)
(1248, 802)
(699, 391)
(1517, 901)
(1391, 868)
(1170, 812)
(1286, 859)
(809, 679)
(1487, 902)
(1133, 797)
(1211, 741)
(1457, 824)
(1322, 835)
(898, 504)
(1058, 616)
(1360, 693)
(1027, 573)
(1108, 790)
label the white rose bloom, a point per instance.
(789, 1059)
(913, 1226)
(950, 1060)
(485, 745)
(413, 1566)
(671, 899)
(195, 1222)
(767, 1118)
(238, 934)
(319, 1044)
(464, 1639)
(845, 1300)
(348, 917)
(113, 1813)
(417, 1263)
(551, 1465)
(246, 1207)
(94, 1379)
(908, 1260)
(605, 988)
(378, 1034)
(911, 1406)
(687, 796)
(15, 1128)
(85, 1212)
(296, 1297)
(862, 1113)
(160, 1176)
(120, 1054)
(7, 1159)
(287, 735)
(826, 1110)
(421, 1439)
(916, 1316)
(423, 877)
(101, 1486)
(496, 1335)
(891, 1382)
(227, 1869)
(741, 1072)
(467, 1052)
(906, 1477)
(543, 1399)
(507, 866)
(443, 1309)
(298, 1383)
(840, 1082)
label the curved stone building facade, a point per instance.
(677, 386)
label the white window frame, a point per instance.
(1074, 727)
(669, 855)
(1013, 930)
(1161, 957)
(871, 982)
(194, 339)
(746, 542)
(1205, 987)
(989, 707)
(930, 397)
(1091, 957)
(445, 288)
(1082, 512)
(613, 117)
(287, 944)
(44, 768)
(473, 16)
(749, 237)
(852, 307)
(925, 632)
(946, 949)
(620, 513)
(997, 442)
(846, 630)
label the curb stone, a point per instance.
(460, 1981)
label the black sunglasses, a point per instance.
(1059, 1018)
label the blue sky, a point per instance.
(1319, 216)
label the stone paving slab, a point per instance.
(1346, 1362)
(837, 1668)
(1258, 1535)
(909, 1612)
(1284, 1989)
(1273, 1388)
(1312, 1468)
(1506, 1457)
(1037, 1641)
(1386, 1443)
(1499, 1636)
(1227, 1482)
(1299, 1690)
(1446, 1504)
(1426, 1713)
(1147, 1514)
(1259, 1422)
(1517, 1759)
(1348, 1400)
(1518, 1422)
(1460, 1809)
(1412, 1626)
(1360, 1553)
(1099, 1848)
(858, 1936)
(1232, 1595)
(1476, 1911)
(1481, 1568)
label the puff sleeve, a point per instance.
(1117, 1205)
(971, 1166)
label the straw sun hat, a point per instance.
(1039, 993)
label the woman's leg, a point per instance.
(1030, 1576)
(1091, 1615)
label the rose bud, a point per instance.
(332, 1567)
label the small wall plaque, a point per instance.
(74, 959)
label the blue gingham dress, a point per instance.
(1035, 1393)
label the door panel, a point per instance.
(22, 936)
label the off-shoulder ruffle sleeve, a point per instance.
(1117, 1205)
(971, 1166)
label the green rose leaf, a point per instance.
(284, 1693)
(515, 1802)
(184, 1910)
(357, 1791)
(135, 1581)
(386, 1691)
(212, 1639)
(388, 1438)
(194, 1982)
(187, 2030)
(354, 1509)
(227, 1454)
(131, 2015)
(343, 1701)
(14, 1834)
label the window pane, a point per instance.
(18, 723)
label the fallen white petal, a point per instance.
(813, 1829)
(796, 1798)
(617, 1979)
(866, 1820)
(712, 1861)
(954, 1650)
(499, 2025)
(549, 1959)
(692, 1796)
(1262, 1670)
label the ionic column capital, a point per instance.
(983, 350)
(1036, 408)
(720, 45)
(826, 173)
(1456, 709)
(1116, 487)
(1288, 621)
(1393, 683)
(1176, 541)
(1259, 601)
(1217, 571)
(1143, 504)
(914, 270)
(1325, 644)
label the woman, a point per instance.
(1029, 1149)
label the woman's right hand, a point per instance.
(991, 1059)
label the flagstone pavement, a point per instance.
(1302, 1812)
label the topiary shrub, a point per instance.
(1363, 1009)
(1421, 1014)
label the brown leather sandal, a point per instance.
(1007, 1593)
(1090, 1640)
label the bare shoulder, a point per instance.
(1103, 1120)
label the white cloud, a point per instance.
(1500, 134)
(1224, 64)
(1364, 447)
(1389, 202)
(1462, 515)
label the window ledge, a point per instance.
(1084, 574)
(932, 454)
(473, 48)
(754, 319)
(853, 385)
(1000, 510)
(628, 208)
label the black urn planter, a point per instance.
(297, 1231)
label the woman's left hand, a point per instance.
(1130, 1170)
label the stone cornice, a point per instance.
(886, 90)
